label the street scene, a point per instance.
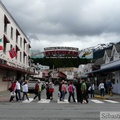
(59, 60)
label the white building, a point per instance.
(12, 36)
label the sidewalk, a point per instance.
(4, 96)
(107, 96)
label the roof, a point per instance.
(99, 61)
(117, 47)
(108, 69)
(108, 52)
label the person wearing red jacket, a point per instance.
(13, 84)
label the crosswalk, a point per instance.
(97, 101)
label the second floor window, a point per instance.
(11, 33)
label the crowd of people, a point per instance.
(17, 87)
(81, 89)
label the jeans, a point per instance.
(62, 95)
(25, 94)
(71, 94)
(92, 93)
(18, 95)
(102, 92)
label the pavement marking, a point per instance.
(65, 101)
(97, 101)
(28, 101)
(111, 101)
(44, 101)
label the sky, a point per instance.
(69, 23)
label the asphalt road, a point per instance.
(54, 110)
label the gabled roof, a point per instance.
(99, 61)
(117, 46)
(108, 52)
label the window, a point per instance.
(6, 21)
(17, 34)
(21, 42)
(5, 27)
(11, 33)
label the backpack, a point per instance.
(36, 87)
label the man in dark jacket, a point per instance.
(78, 91)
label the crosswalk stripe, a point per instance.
(97, 101)
(43, 101)
(111, 101)
(28, 101)
(65, 101)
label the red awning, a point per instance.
(62, 75)
(6, 39)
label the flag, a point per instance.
(12, 53)
(1, 44)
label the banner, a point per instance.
(88, 54)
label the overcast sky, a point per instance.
(70, 23)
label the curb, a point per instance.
(100, 97)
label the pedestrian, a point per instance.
(18, 91)
(59, 91)
(47, 91)
(78, 91)
(84, 92)
(25, 90)
(63, 91)
(91, 89)
(102, 88)
(51, 90)
(38, 88)
(71, 89)
(12, 90)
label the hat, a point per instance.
(38, 80)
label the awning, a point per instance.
(7, 67)
(17, 48)
(108, 69)
(29, 46)
(25, 54)
(6, 39)
(17, 32)
(6, 20)
(25, 40)
(62, 75)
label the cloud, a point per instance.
(78, 23)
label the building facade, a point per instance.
(13, 64)
(106, 68)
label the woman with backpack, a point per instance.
(38, 90)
